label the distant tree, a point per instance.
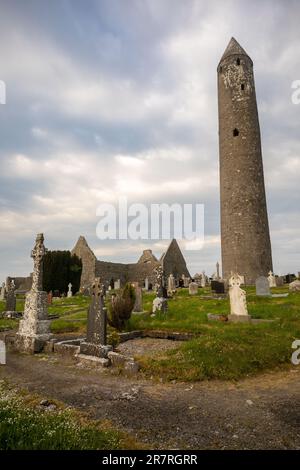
(60, 268)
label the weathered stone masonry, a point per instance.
(245, 238)
(172, 261)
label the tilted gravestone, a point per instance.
(95, 344)
(34, 329)
(262, 286)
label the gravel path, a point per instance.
(257, 413)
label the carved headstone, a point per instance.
(238, 303)
(262, 286)
(95, 344)
(10, 305)
(34, 329)
(117, 284)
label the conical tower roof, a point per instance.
(233, 48)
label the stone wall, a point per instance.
(23, 284)
(173, 261)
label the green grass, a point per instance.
(25, 426)
(223, 350)
(6, 324)
(220, 350)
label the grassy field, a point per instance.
(220, 349)
(26, 425)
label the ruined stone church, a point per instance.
(172, 262)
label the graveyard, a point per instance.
(249, 348)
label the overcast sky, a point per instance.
(118, 97)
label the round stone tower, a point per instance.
(245, 237)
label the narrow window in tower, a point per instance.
(242, 86)
(238, 62)
(235, 132)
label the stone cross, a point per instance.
(70, 290)
(34, 328)
(11, 297)
(97, 318)
(37, 254)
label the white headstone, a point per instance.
(237, 296)
(117, 284)
(203, 279)
(271, 279)
(193, 288)
(146, 284)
